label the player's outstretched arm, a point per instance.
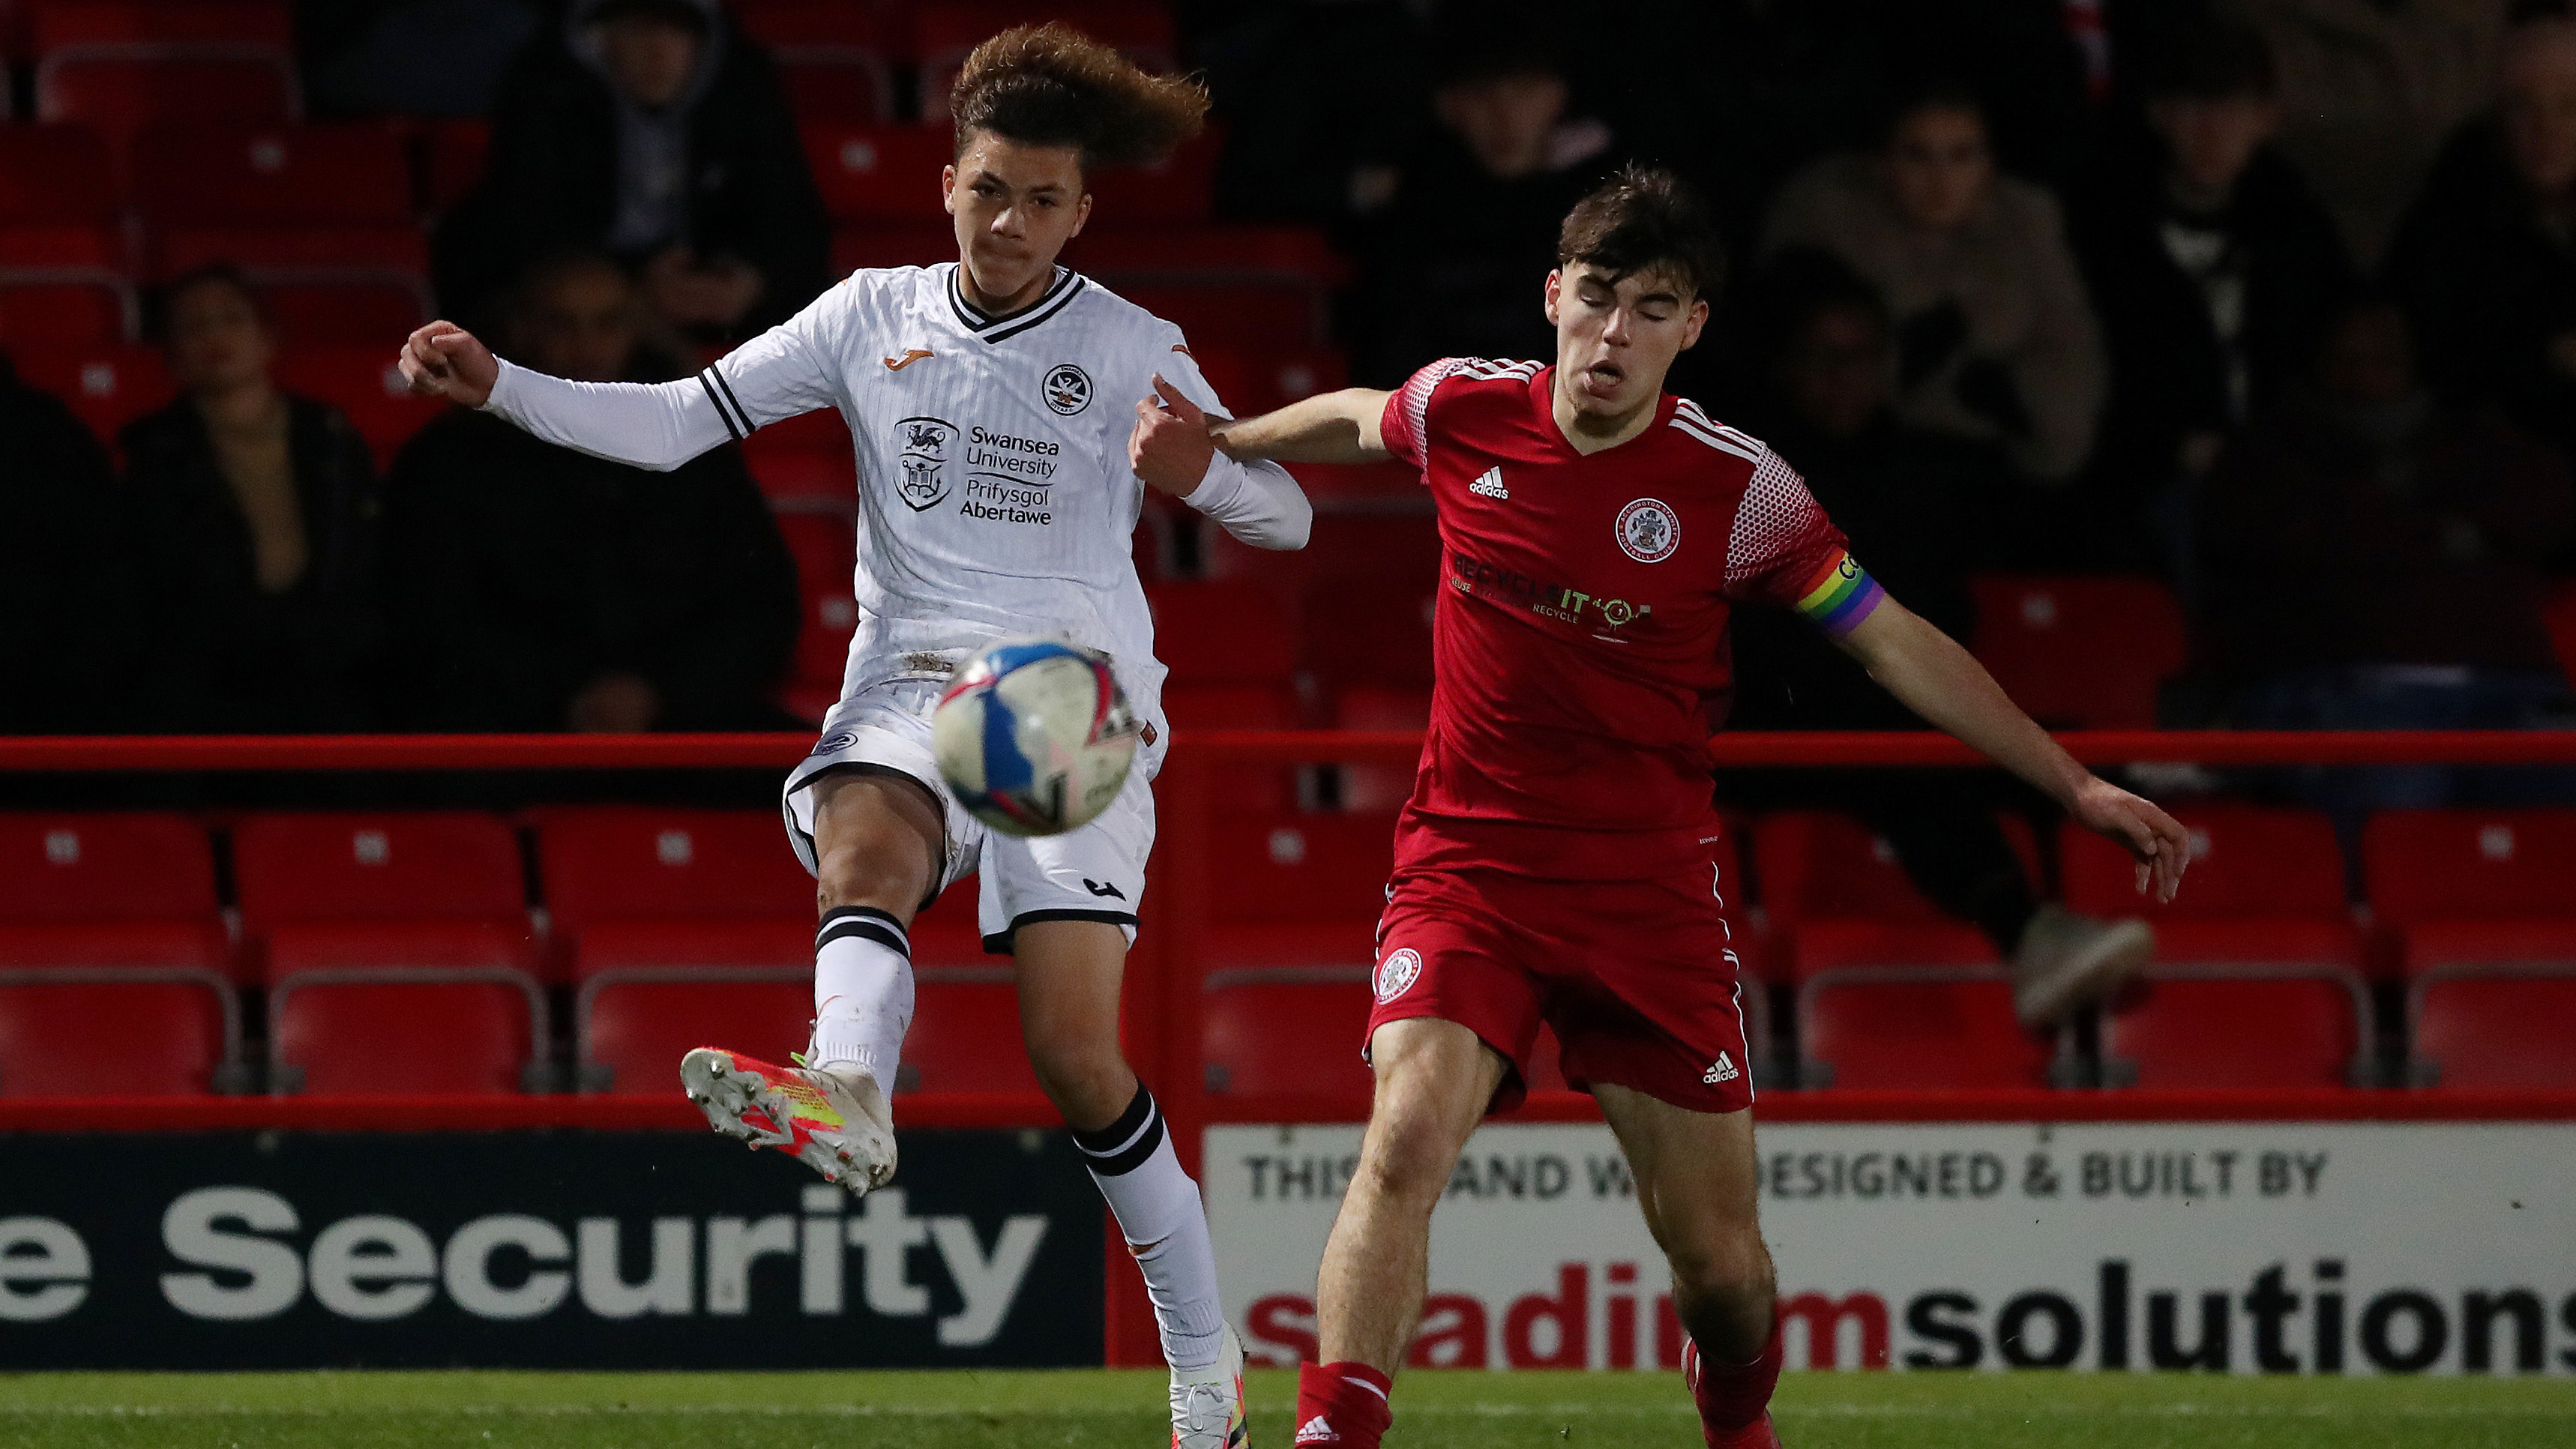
(1332, 427)
(1947, 686)
(658, 426)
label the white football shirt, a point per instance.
(995, 495)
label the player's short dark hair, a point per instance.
(2219, 58)
(1645, 219)
(1052, 85)
(157, 304)
(678, 14)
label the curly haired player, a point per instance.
(1553, 864)
(1000, 478)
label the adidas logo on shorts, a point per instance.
(1722, 1070)
(1490, 485)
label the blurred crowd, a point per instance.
(2274, 299)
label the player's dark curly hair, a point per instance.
(1052, 85)
(1645, 219)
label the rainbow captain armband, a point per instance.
(1838, 596)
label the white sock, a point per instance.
(1165, 1224)
(862, 993)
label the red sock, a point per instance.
(1732, 1397)
(1342, 1404)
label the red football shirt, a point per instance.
(1580, 655)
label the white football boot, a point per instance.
(1207, 1404)
(838, 1124)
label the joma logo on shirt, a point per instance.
(1556, 601)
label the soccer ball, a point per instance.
(1034, 736)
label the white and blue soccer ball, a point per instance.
(1034, 736)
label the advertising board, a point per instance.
(539, 1249)
(2351, 1248)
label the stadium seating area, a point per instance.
(584, 948)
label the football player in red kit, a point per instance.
(1555, 864)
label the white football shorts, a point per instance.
(1094, 873)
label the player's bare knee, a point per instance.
(1721, 1265)
(1089, 1082)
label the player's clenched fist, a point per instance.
(1171, 446)
(443, 360)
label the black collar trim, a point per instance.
(1061, 291)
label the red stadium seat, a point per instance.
(1231, 656)
(835, 59)
(1839, 897)
(350, 174)
(2425, 865)
(634, 1031)
(123, 65)
(452, 153)
(2248, 862)
(825, 548)
(879, 173)
(112, 1037)
(61, 255)
(88, 869)
(637, 863)
(2256, 980)
(2240, 1028)
(115, 974)
(1227, 285)
(1916, 1028)
(56, 176)
(2481, 921)
(2490, 1029)
(383, 866)
(796, 476)
(363, 383)
(2080, 653)
(1179, 190)
(393, 1035)
(1290, 943)
(107, 387)
(1254, 380)
(1288, 1030)
(320, 216)
(407, 932)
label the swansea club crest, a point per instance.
(1649, 531)
(1067, 388)
(924, 444)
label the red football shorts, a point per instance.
(1638, 978)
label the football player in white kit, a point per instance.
(1000, 477)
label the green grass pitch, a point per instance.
(471, 1410)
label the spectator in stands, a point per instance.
(1909, 498)
(2371, 560)
(256, 519)
(2212, 264)
(537, 588)
(2370, 90)
(2486, 258)
(65, 628)
(654, 131)
(1995, 339)
(1474, 214)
